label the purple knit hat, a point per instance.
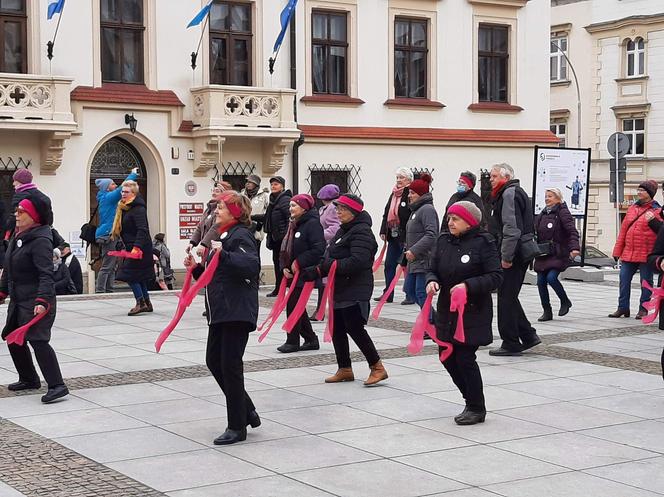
(328, 192)
(23, 176)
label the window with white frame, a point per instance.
(636, 57)
(558, 62)
(635, 129)
(560, 130)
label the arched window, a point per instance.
(636, 57)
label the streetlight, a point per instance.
(578, 94)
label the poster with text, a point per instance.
(567, 169)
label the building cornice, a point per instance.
(625, 21)
(501, 3)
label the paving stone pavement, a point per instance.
(583, 414)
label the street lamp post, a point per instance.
(578, 94)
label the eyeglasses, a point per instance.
(125, 192)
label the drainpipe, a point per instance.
(293, 85)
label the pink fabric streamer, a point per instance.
(422, 326)
(379, 259)
(281, 303)
(328, 298)
(187, 297)
(281, 295)
(18, 335)
(654, 303)
(300, 307)
(458, 301)
(124, 254)
(401, 271)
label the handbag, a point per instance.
(546, 248)
(528, 248)
(89, 230)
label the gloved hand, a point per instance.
(311, 273)
(136, 171)
(403, 262)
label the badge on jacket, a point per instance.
(550, 225)
(413, 217)
(298, 234)
(19, 243)
(465, 258)
(403, 204)
(224, 235)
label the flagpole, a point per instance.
(194, 55)
(51, 44)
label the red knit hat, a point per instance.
(421, 184)
(304, 200)
(30, 208)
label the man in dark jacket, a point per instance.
(75, 272)
(276, 224)
(465, 191)
(512, 216)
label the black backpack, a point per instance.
(88, 230)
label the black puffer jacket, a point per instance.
(403, 214)
(354, 248)
(28, 280)
(232, 295)
(276, 218)
(471, 259)
(136, 233)
(308, 241)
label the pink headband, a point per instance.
(457, 210)
(349, 202)
(29, 207)
(234, 209)
(467, 181)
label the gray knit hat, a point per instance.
(255, 179)
(467, 211)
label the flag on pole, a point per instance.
(286, 15)
(201, 15)
(55, 7)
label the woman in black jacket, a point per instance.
(276, 224)
(465, 256)
(303, 244)
(231, 301)
(131, 224)
(28, 280)
(353, 248)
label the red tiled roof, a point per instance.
(126, 93)
(186, 126)
(430, 134)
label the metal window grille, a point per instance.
(235, 173)
(11, 164)
(346, 177)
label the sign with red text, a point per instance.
(190, 215)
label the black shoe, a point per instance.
(407, 301)
(230, 437)
(24, 385)
(504, 352)
(564, 308)
(273, 293)
(389, 300)
(205, 313)
(620, 313)
(55, 393)
(311, 345)
(531, 343)
(253, 419)
(468, 417)
(547, 315)
(287, 348)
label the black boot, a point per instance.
(547, 315)
(310, 345)
(231, 436)
(139, 308)
(468, 417)
(565, 306)
(24, 385)
(253, 419)
(287, 348)
(55, 393)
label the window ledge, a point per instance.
(421, 103)
(332, 100)
(564, 82)
(632, 79)
(494, 107)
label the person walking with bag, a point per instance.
(555, 229)
(303, 246)
(635, 242)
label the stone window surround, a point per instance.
(623, 53)
(634, 115)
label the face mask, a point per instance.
(461, 188)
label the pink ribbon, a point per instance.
(654, 303)
(125, 254)
(379, 259)
(422, 326)
(284, 294)
(300, 307)
(328, 298)
(400, 271)
(458, 301)
(18, 335)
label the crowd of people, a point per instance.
(324, 242)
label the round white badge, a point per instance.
(19, 243)
(465, 258)
(413, 217)
(403, 204)
(224, 235)
(550, 225)
(338, 241)
(298, 234)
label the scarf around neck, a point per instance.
(393, 212)
(286, 252)
(117, 221)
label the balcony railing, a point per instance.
(218, 106)
(35, 98)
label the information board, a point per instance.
(190, 215)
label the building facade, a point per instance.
(360, 88)
(617, 49)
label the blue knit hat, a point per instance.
(103, 184)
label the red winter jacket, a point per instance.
(636, 240)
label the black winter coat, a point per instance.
(74, 271)
(232, 295)
(511, 219)
(28, 280)
(403, 214)
(42, 203)
(136, 233)
(472, 259)
(276, 218)
(467, 196)
(308, 242)
(556, 226)
(62, 281)
(354, 248)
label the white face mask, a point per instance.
(461, 187)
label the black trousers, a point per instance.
(462, 367)
(275, 260)
(513, 325)
(46, 358)
(349, 321)
(225, 348)
(303, 326)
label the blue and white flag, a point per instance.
(55, 7)
(201, 15)
(286, 14)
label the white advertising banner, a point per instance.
(567, 169)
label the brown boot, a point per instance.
(342, 374)
(377, 374)
(138, 308)
(148, 305)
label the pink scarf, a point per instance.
(654, 303)
(285, 292)
(422, 326)
(401, 270)
(393, 212)
(328, 298)
(18, 335)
